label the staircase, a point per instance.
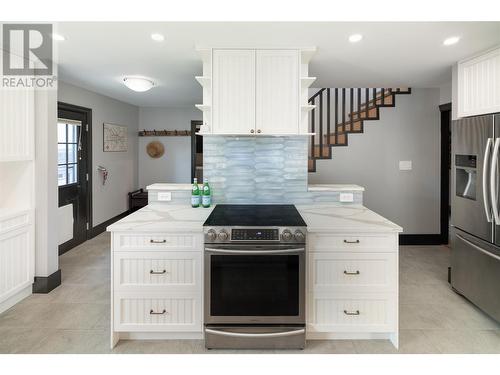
(341, 111)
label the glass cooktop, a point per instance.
(275, 215)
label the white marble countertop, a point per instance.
(310, 187)
(163, 218)
(334, 187)
(329, 217)
(334, 217)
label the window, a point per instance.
(67, 151)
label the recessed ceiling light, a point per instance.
(157, 37)
(355, 38)
(138, 84)
(58, 37)
(451, 40)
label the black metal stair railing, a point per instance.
(350, 107)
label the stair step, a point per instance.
(311, 167)
(322, 154)
(357, 126)
(371, 115)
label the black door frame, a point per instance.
(445, 170)
(87, 112)
(194, 128)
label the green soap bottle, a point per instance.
(195, 194)
(206, 195)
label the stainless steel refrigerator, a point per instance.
(475, 211)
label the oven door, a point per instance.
(249, 284)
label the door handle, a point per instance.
(157, 241)
(351, 312)
(347, 241)
(351, 273)
(487, 153)
(157, 272)
(152, 312)
(270, 334)
(493, 182)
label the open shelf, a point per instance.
(204, 81)
(203, 107)
(306, 82)
(306, 54)
(307, 107)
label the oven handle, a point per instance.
(273, 334)
(255, 252)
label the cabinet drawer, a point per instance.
(352, 313)
(157, 241)
(353, 242)
(179, 271)
(140, 312)
(352, 272)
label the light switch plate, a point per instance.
(346, 197)
(164, 196)
(405, 165)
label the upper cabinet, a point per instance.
(255, 91)
(478, 86)
(17, 118)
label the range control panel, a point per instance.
(255, 235)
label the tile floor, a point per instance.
(74, 318)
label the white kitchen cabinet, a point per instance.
(17, 118)
(479, 85)
(156, 285)
(17, 256)
(277, 92)
(255, 91)
(233, 95)
(352, 286)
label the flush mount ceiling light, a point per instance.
(138, 84)
(354, 38)
(58, 37)
(157, 37)
(451, 40)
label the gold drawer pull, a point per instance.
(151, 312)
(347, 241)
(351, 312)
(157, 272)
(351, 273)
(155, 241)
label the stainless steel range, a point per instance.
(255, 277)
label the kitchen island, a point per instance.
(352, 273)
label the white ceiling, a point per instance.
(97, 56)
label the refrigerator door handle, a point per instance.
(486, 200)
(478, 248)
(493, 182)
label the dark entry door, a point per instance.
(73, 148)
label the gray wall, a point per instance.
(111, 199)
(175, 165)
(409, 131)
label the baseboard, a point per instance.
(45, 284)
(101, 228)
(420, 239)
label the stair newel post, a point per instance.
(336, 114)
(359, 101)
(328, 118)
(351, 99)
(367, 99)
(343, 112)
(321, 125)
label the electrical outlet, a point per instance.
(164, 196)
(405, 165)
(346, 197)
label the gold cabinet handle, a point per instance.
(347, 241)
(351, 273)
(351, 312)
(157, 272)
(151, 312)
(156, 241)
